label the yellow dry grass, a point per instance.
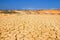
(29, 27)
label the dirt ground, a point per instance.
(29, 27)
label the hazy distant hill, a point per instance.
(52, 12)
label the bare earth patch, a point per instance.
(29, 27)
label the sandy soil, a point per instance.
(29, 27)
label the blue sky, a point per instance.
(29, 4)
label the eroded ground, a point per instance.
(29, 27)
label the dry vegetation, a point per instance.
(30, 26)
(49, 12)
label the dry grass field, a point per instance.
(23, 26)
